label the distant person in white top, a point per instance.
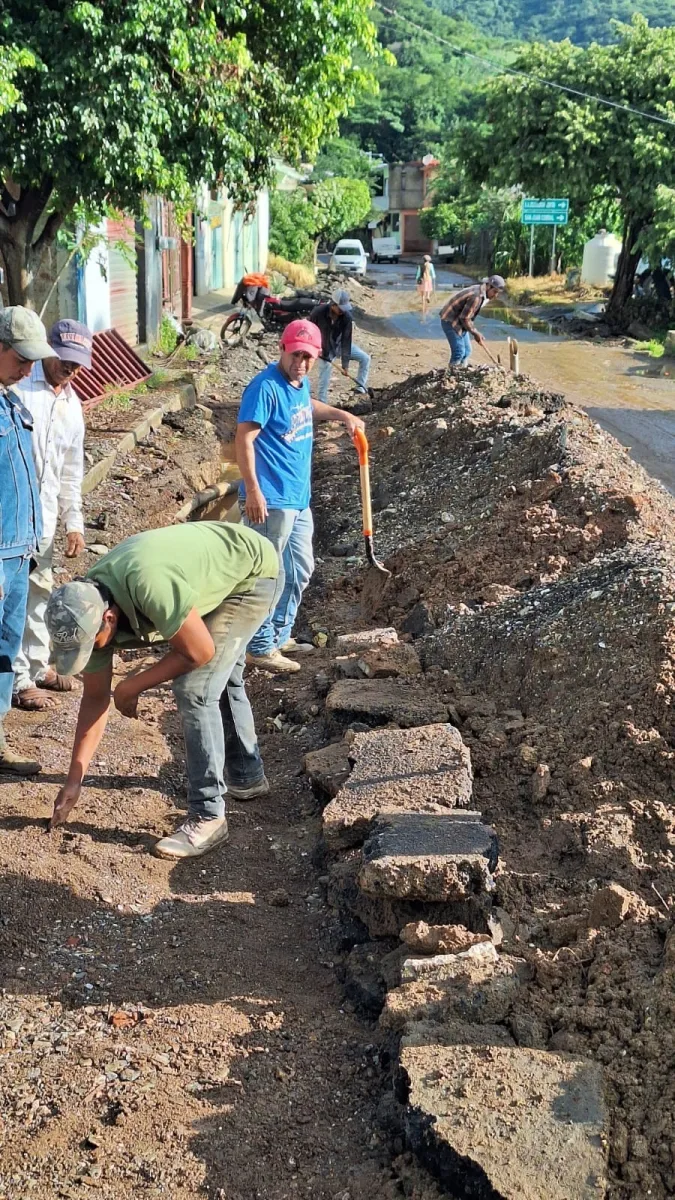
(58, 447)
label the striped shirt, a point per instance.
(463, 307)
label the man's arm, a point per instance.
(91, 722)
(70, 491)
(255, 506)
(191, 647)
(326, 412)
(346, 343)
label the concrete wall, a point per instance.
(227, 245)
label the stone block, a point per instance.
(384, 917)
(437, 967)
(424, 769)
(380, 701)
(366, 639)
(503, 1123)
(429, 856)
(389, 662)
(610, 906)
(476, 993)
(328, 768)
(439, 939)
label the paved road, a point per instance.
(610, 382)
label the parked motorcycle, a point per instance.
(274, 312)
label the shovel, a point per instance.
(497, 361)
(361, 443)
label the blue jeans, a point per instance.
(324, 368)
(14, 588)
(221, 746)
(290, 530)
(460, 344)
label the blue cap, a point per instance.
(72, 341)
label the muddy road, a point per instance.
(621, 389)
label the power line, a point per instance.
(560, 87)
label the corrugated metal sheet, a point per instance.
(122, 281)
(114, 366)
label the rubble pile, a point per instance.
(532, 575)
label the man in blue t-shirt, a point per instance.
(274, 453)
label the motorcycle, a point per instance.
(273, 312)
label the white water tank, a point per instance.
(601, 255)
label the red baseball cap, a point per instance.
(302, 335)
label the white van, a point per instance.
(349, 255)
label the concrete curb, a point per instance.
(186, 398)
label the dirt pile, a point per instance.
(533, 561)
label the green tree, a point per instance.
(130, 97)
(12, 60)
(551, 143)
(292, 226)
(339, 205)
(424, 84)
(343, 157)
(555, 20)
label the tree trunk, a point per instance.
(21, 250)
(20, 279)
(625, 274)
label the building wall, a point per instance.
(227, 244)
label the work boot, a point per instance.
(293, 647)
(196, 836)
(251, 792)
(274, 662)
(15, 764)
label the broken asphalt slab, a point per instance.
(500, 1123)
(429, 856)
(423, 769)
(380, 701)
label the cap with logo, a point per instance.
(22, 329)
(72, 342)
(341, 299)
(73, 618)
(302, 335)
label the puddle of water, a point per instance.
(521, 320)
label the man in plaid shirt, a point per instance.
(458, 314)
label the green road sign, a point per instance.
(545, 212)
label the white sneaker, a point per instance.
(194, 837)
(249, 793)
(293, 647)
(274, 662)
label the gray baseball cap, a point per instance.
(496, 281)
(340, 298)
(22, 329)
(73, 617)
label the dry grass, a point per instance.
(549, 289)
(297, 274)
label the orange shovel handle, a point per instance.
(361, 443)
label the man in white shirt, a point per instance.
(58, 447)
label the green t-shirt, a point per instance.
(157, 577)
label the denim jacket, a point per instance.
(20, 512)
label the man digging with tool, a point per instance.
(458, 314)
(274, 455)
(58, 449)
(204, 588)
(335, 323)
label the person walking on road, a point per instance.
(23, 342)
(274, 454)
(58, 450)
(204, 588)
(425, 280)
(458, 314)
(334, 320)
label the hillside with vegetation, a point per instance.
(554, 20)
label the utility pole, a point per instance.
(552, 262)
(531, 250)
